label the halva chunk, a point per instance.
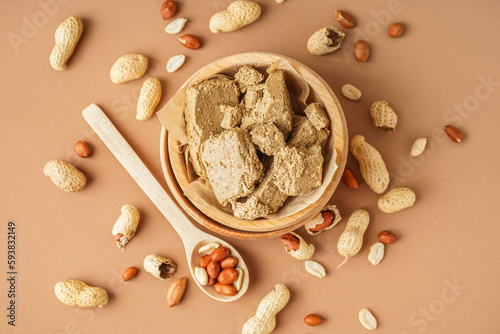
(299, 170)
(231, 116)
(202, 114)
(267, 138)
(232, 165)
(304, 134)
(252, 96)
(266, 199)
(246, 77)
(317, 116)
(274, 107)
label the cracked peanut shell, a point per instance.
(325, 40)
(305, 251)
(318, 219)
(160, 267)
(126, 225)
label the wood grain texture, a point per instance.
(191, 237)
(174, 164)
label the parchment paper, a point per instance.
(199, 192)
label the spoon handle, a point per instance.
(108, 133)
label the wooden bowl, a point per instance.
(177, 173)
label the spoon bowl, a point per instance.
(194, 259)
(191, 237)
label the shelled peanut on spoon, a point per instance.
(218, 269)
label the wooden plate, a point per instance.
(174, 165)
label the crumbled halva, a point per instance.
(246, 77)
(304, 134)
(231, 116)
(317, 116)
(274, 107)
(266, 199)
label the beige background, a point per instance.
(448, 239)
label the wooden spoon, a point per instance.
(192, 237)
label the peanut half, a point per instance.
(325, 40)
(350, 179)
(454, 133)
(65, 176)
(351, 92)
(315, 268)
(77, 293)
(201, 275)
(126, 225)
(238, 14)
(66, 37)
(372, 165)
(239, 281)
(160, 267)
(208, 248)
(383, 116)
(367, 319)
(396, 200)
(168, 9)
(351, 240)
(148, 99)
(264, 320)
(176, 26)
(128, 67)
(190, 41)
(376, 253)
(344, 19)
(326, 219)
(175, 62)
(418, 147)
(176, 291)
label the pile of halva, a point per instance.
(229, 121)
